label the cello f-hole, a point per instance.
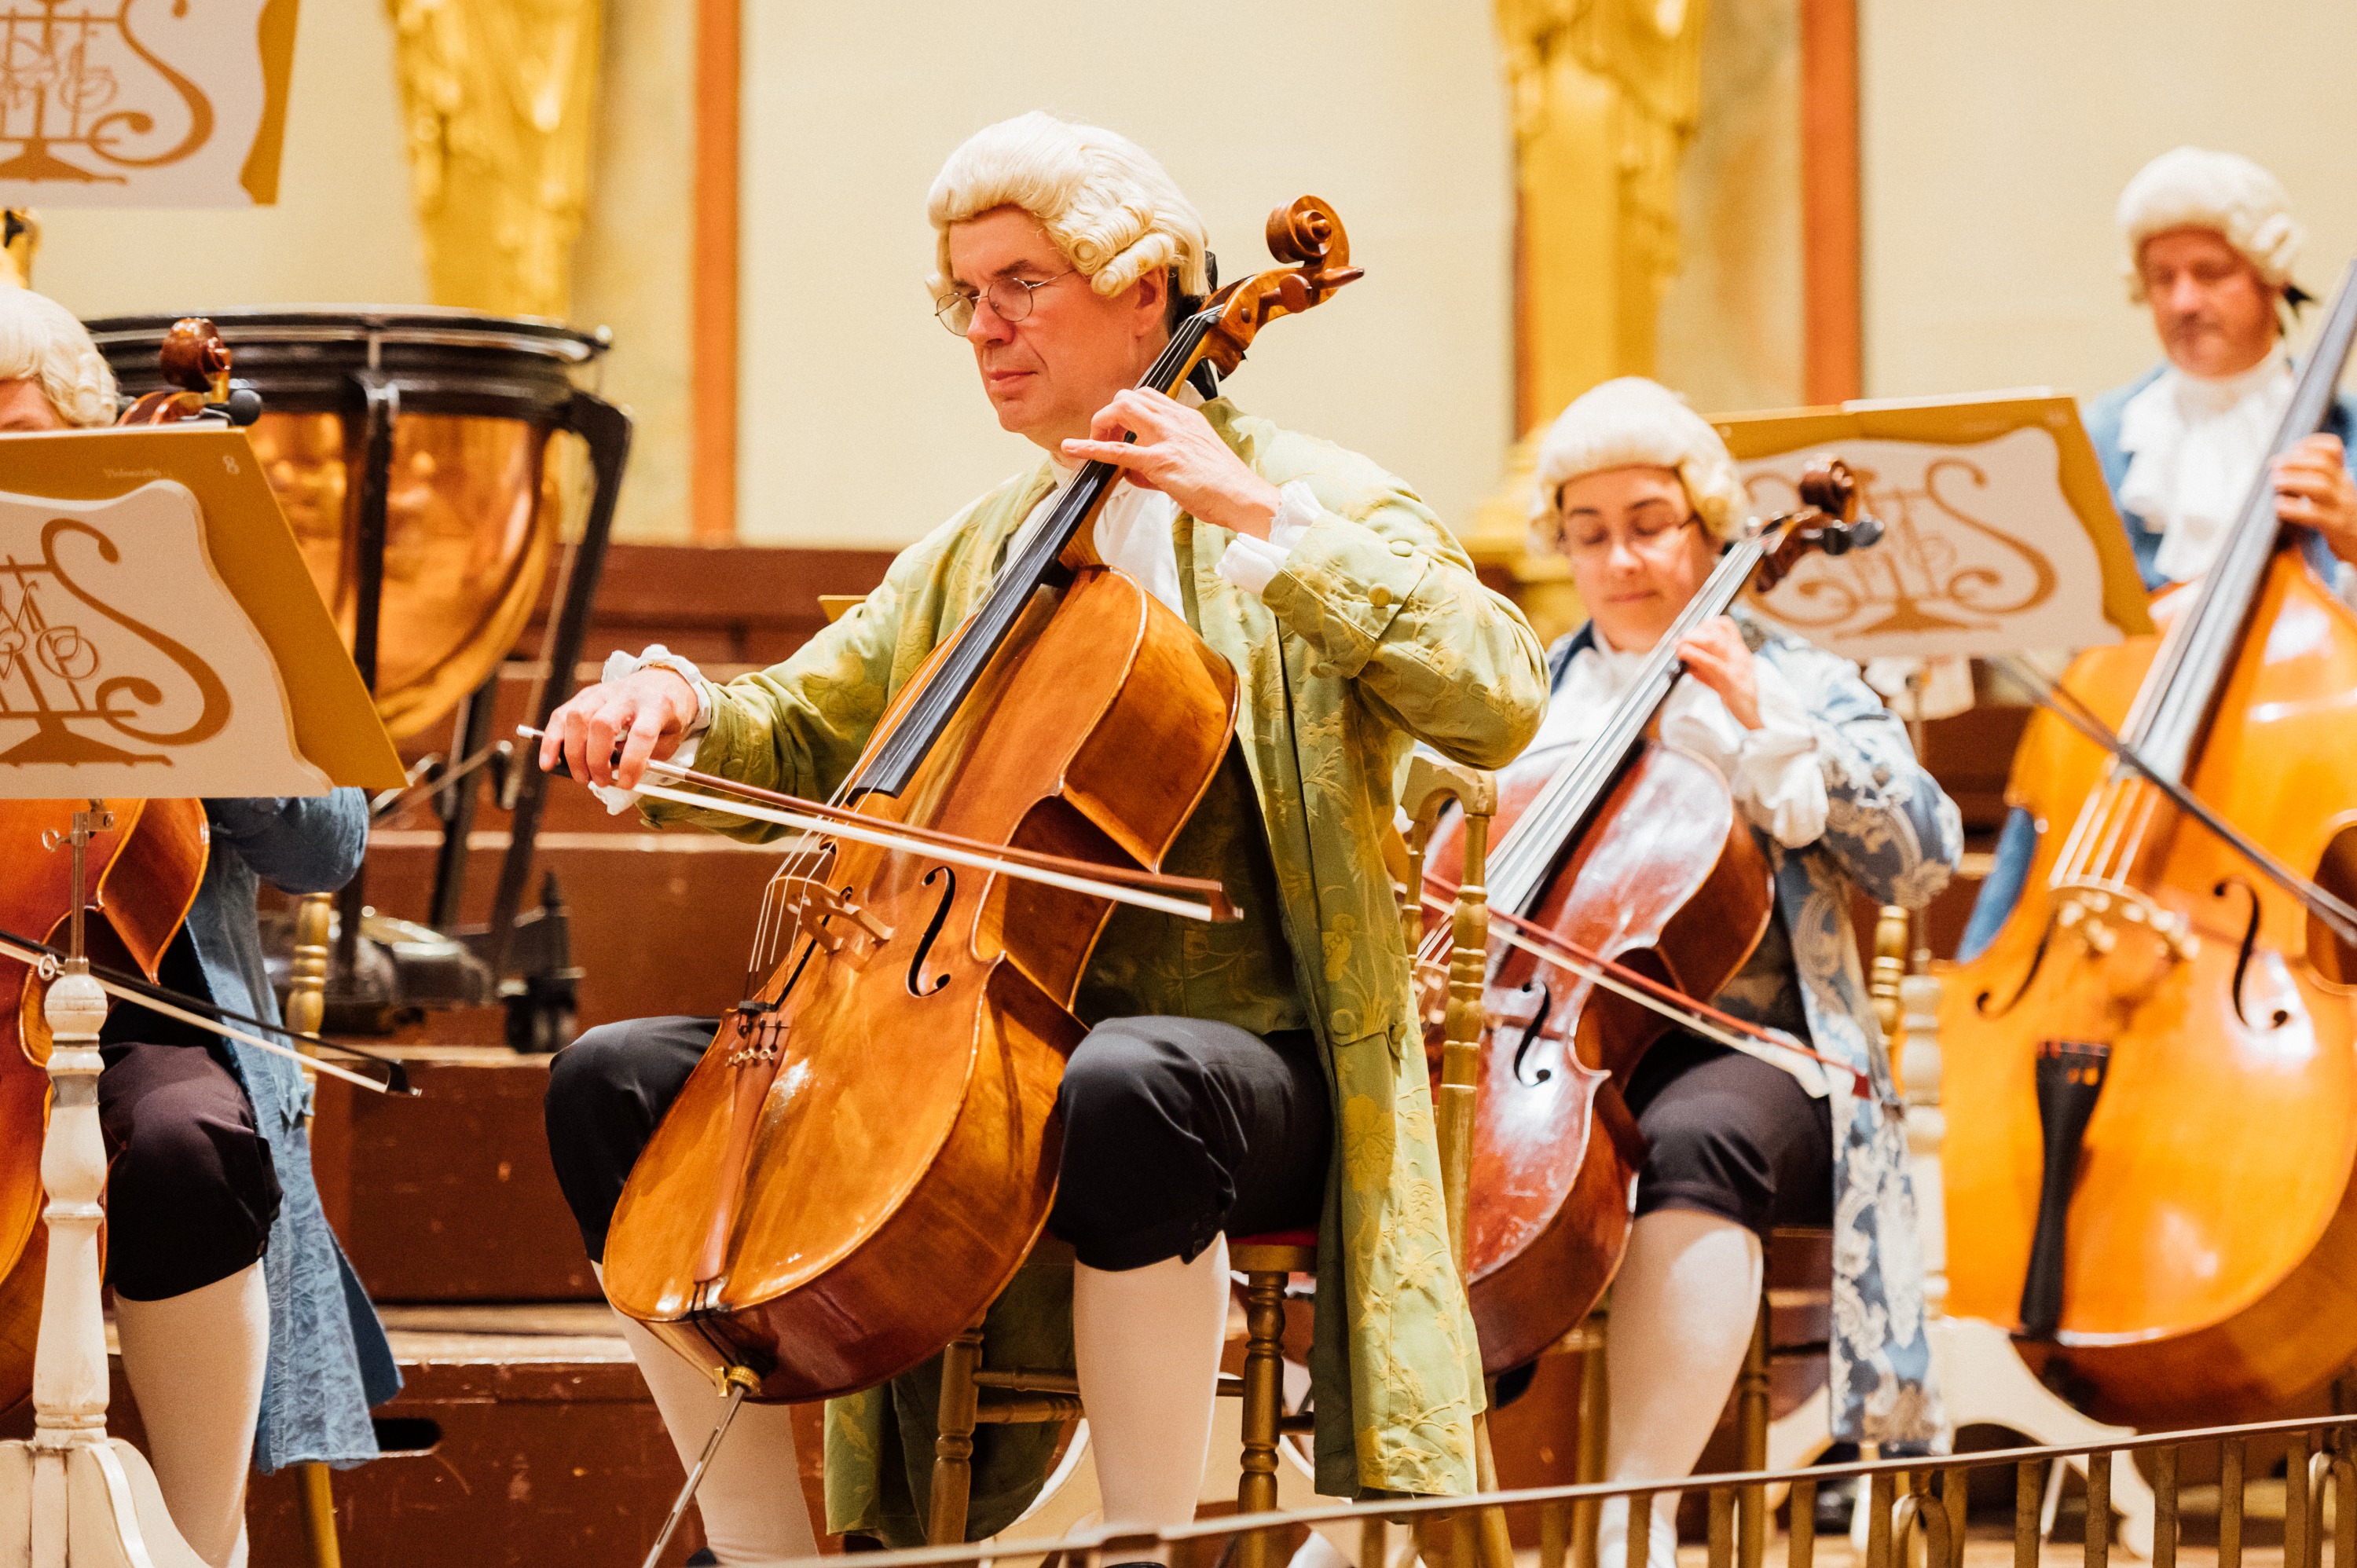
(916, 986)
(1531, 1034)
(2243, 954)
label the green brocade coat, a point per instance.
(1376, 635)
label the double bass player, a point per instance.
(1237, 1078)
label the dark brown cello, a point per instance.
(867, 1151)
(2151, 1084)
(1631, 854)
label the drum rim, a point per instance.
(408, 326)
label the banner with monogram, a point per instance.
(2000, 538)
(159, 635)
(143, 102)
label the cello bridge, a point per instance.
(813, 904)
(2096, 912)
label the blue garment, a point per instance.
(330, 1360)
(1891, 832)
(2016, 844)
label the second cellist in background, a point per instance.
(1638, 492)
(1245, 1076)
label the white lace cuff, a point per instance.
(1772, 771)
(1253, 563)
(621, 666)
(1777, 779)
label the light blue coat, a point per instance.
(1891, 832)
(328, 1358)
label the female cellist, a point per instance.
(1638, 493)
(244, 1335)
(1234, 1078)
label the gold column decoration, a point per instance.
(20, 236)
(1606, 99)
(498, 96)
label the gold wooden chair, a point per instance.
(973, 1395)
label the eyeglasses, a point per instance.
(1011, 301)
(1646, 536)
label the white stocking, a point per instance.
(195, 1363)
(1146, 1343)
(751, 1498)
(1683, 1306)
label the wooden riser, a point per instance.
(450, 1197)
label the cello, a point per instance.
(863, 1158)
(1625, 891)
(2151, 1082)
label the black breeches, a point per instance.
(1175, 1130)
(1731, 1135)
(190, 1191)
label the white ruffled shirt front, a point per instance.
(2194, 446)
(1772, 772)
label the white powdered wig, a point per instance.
(1101, 197)
(42, 341)
(1635, 423)
(2194, 187)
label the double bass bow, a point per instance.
(1625, 891)
(2151, 1072)
(866, 1153)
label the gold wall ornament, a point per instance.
(1606, 98)
(498, 96)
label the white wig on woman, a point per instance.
(1635, 423)
(2194, 187)
(1102, 197)
(42, 341)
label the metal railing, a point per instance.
(1918, 1510)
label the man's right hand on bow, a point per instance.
(644, 714)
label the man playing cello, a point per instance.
(1237, 1078)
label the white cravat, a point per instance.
(2194, 446)
(1772, 771)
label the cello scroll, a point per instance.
(1305, 231)
(1828, 521)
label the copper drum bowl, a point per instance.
(428, 428)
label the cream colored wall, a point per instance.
(861, 422)
(1998, 135)
(340, 233)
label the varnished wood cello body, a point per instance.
(2199, 1260)
(865, 1155)
(1634, 852)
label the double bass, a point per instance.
(863, 1157)
(2151, 1072)
(1626, 890)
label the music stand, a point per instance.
(167, 641)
